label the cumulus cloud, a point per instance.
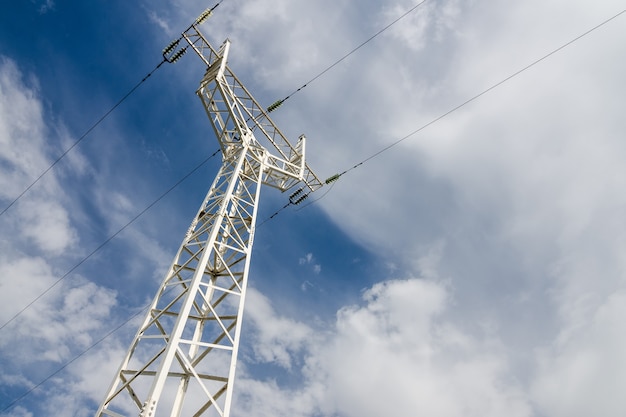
(278, 338)
(394, 353)
(57, 325)
(39, 243)
(47, 223)
(62, 324)
(24, 279)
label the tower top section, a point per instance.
(238, 119)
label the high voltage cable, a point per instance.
(335, 177)
(477, 96)
(107, 240)
(278, 103)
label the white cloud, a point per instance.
(42, 238)
(306, 285)
(19, 412)
(102, 361)
(162, 23)
(23, 279)
(251, 399)
(21, 131)
(306, 259)
(309, 259)
(431, 22)
(54, 330)
(47, 223)
(584, 370)
(393, 354)
(279, 338)
(394, 351)
(63, 321)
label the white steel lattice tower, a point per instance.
(182, 360)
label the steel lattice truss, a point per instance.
(247, 113)
(182, 360)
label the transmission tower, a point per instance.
(182, 360)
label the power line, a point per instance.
(332, 179)
(474, 98)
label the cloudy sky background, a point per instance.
(475, 269)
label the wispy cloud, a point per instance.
(162, 23)
(309, 259)
(46, 6)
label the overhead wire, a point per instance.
(332, 185)
(482, 93)
(290, 203)
(330, 180)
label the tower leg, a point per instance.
(187, 345)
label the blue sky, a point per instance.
(475, 269)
